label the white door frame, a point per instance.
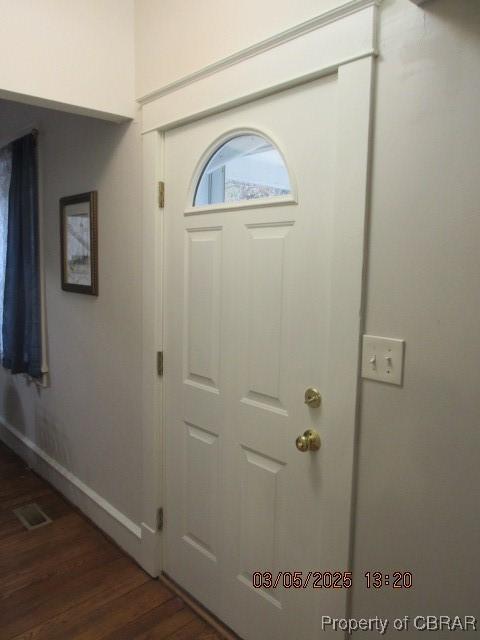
(342, 41)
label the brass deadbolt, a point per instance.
(313, 397)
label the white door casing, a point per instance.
(349, 88)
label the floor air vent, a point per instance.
(31, 516)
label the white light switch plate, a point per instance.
(382, 359)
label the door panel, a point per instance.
(202, 307)
(248, 327)
(201, 512)
(266, 257)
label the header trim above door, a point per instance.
(316, 47)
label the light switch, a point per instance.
(382, 359)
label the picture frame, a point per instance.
(79, 243)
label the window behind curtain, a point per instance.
(22, 309)
(5, 175)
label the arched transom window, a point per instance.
(245, 167)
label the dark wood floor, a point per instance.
(67, 581)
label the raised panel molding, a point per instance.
(201, 490)
(259, 506)
(202, 312)
(266, 260)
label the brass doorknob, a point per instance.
(310, 441)
(313, 397)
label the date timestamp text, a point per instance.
(330, 579)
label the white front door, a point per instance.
(252, 321)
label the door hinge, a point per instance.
(161, 195)
(160, 363)
(160, 519)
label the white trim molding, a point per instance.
(152, 342)
(302, 53)
(264, 45)
(113, 522)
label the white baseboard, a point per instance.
(113, 522)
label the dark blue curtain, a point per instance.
(22, 338)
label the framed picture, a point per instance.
(79, 243)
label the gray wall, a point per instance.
(89, 418)
(419, 472)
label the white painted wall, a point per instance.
(177, 37)
(88, 419)
(418, 471)
(77, 56)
